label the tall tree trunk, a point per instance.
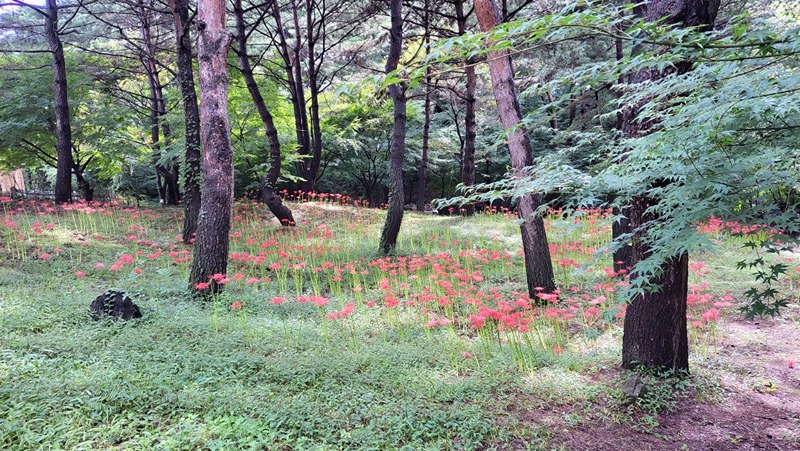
(538, 266)
(213, 232)
(166, 175)
(655, 332)
(655, 321)
(298, 108)
(313, 88)
(63, 186)
(622, 225)
(299, 100)
(268, 183)
(394, 215)
(191, 118)
(422, 180)
(470, 127)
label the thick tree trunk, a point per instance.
(470, 127)
(623, 258)
(191, 118)
(213, 232)
(268, 184)
(655, 321)
(538, 265)
(63, 185)
(394, 215)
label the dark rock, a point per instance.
(634, 388)
(115, 304)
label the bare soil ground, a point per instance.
(755, 406)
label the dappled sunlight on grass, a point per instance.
(315, 339)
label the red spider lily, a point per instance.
(344, 313)
(202, 285)
(591, 314)
(80, 274)
(710, 315)
(319, 301)
(390, 301)
(598, 300)
(549, 297)
(236, 305)
(219, 278)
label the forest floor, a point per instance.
(318, 343)
(754, 405)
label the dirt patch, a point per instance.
(755, 407)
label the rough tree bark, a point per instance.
(538, 266)
(167, 177)
(622, 225)
(422, 180)
(313, 88)
(191, 120)
(294, 82)
(397, 91)
(470, 127)
(268, 183)
(212, 241)
(63, 185)
(655, 322)
(79, 169)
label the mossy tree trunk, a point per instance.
(191, 113)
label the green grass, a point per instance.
(169, 380)
(199, 375)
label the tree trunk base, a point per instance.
(276, 206)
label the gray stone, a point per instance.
(634, 388)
